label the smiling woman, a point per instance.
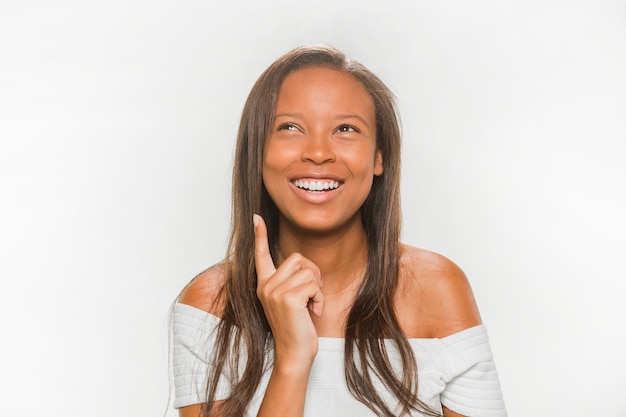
(317, 308)
(321, 155)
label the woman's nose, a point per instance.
(318, 149)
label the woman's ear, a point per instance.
(378, 163)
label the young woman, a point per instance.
(318, 309)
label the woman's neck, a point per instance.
(341, 255)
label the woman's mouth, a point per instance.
(317, 185)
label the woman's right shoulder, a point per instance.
(204, 290)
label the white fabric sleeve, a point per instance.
(472, 386)
(193, 333)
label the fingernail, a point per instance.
(255, 219)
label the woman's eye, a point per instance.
(347, 128)
(288, 126)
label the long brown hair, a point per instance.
(243, 331)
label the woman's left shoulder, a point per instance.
(434, 294)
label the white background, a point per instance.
(117, 125)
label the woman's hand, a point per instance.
(289, 295)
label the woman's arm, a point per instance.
(446, 413)
(289, 295)
(194, 410)
(450, 301)
(445, 302)
(286, 391)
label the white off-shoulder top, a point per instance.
(457, 371)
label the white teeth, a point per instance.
(317, 185)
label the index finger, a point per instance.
(262, 257)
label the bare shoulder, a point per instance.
(435, 298)
(203, 292)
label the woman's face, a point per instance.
(321, 156)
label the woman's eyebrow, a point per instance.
(295, 115)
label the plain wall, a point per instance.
(117, 126)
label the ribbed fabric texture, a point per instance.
(472, 385)
(456, 371)
(193, 338)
